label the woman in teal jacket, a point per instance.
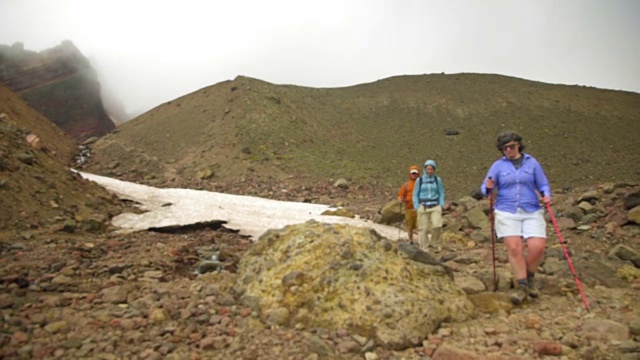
(428, 200)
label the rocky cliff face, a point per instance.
(59, 83)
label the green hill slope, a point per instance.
(251, 130)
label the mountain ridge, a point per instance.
(61, 84)
(370, 133)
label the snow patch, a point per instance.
(250, 216)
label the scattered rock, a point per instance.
(634, 215)
(341, 183)
(110, 296)
(625, 253)
(547, 348)
(28, 159)
(6, 301)
(391, 213)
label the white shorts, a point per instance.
(522, 223)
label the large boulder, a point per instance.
(344, 277)
(392, 212)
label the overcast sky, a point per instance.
(149, 52)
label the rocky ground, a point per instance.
(141, 296)
(72, 288)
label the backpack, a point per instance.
(438, 183)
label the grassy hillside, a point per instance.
(62, 146)
(38, 192)
(250, 130)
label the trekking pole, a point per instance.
(493, 240)
(566, 254)
(401, 212)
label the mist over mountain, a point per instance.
(61, 84)
(248, 130)
(114, 107)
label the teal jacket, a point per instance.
(428, 191)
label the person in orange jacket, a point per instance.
(405, 195)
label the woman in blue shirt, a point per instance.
(519, 218)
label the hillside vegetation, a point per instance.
(37, 191)
(250, 130)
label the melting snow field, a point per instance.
(251, 216)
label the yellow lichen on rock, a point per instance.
(628, 273)
(340, 276)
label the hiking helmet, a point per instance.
(430, 163)
(507, 137)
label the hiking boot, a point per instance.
(534, 290)
(519, 295)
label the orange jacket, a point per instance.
(405, 194)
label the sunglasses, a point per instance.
(509, 147)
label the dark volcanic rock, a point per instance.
(60, 84)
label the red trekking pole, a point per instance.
(566, 254)
(493, 240)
